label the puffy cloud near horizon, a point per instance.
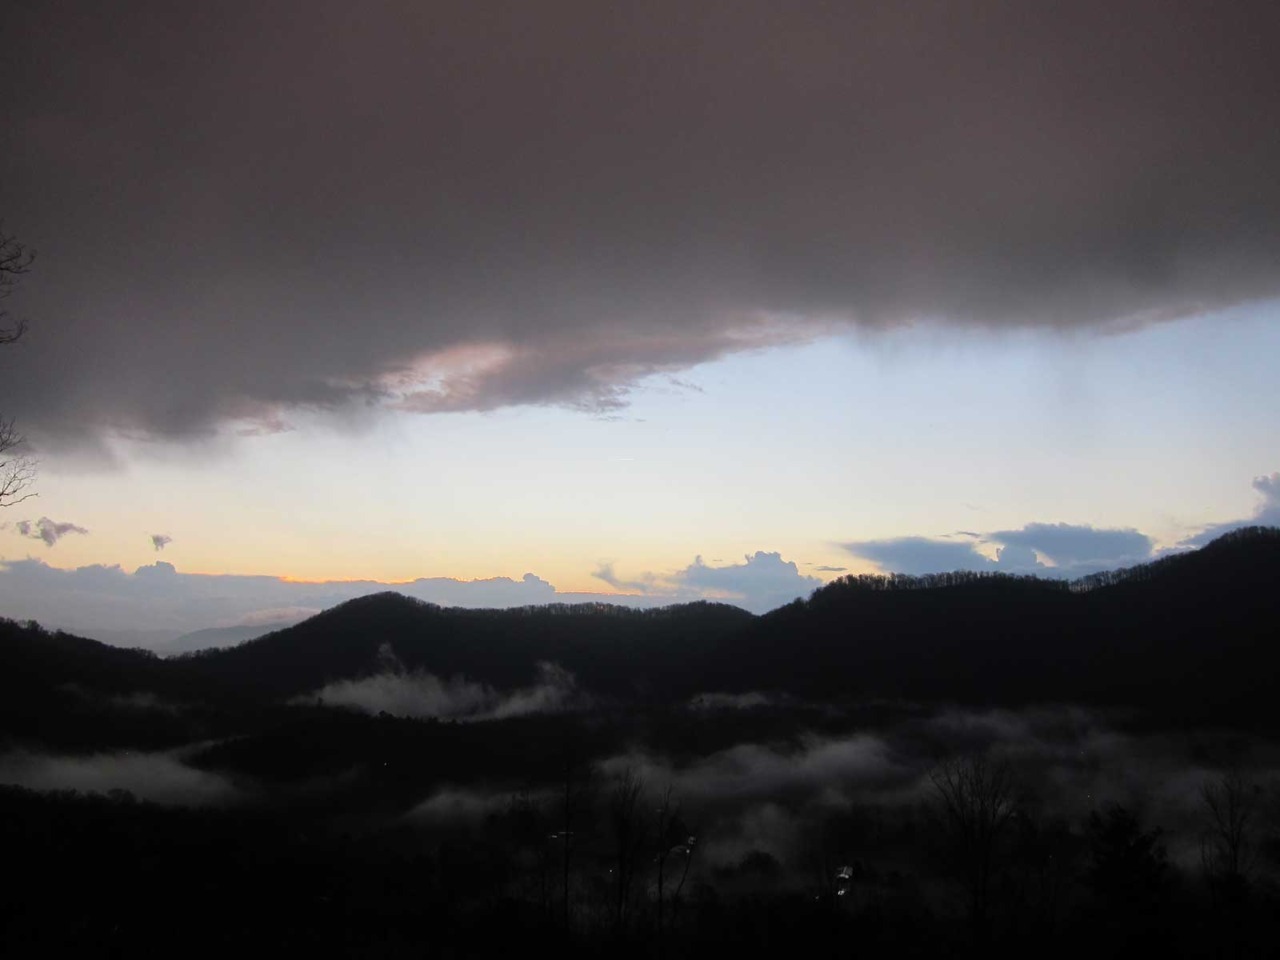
(1072, 549)
(1051, 549)
(1076, 547)
(1266, 514)
(762, 582)
(462, 206)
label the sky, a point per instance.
(661, 301)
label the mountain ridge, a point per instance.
(1189, 631)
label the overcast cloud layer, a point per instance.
(246, 208)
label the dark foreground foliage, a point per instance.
(111, 876)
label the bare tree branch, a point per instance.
(630, 828)
(977, 799)
(1231, 804)
(15, 260)
(17, 471)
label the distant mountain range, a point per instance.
(1193, 634)
(214, 638)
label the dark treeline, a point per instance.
(1093, 581)
(1191, 636)
(880, 582)
(601, 863)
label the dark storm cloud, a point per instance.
(244, 209)
(593, 375)
(50, 531)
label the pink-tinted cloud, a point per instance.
(242, 212)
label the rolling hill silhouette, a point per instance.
(1192, 634)
(611, 650)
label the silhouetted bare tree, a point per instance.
(672, 839)
(977, 801)
(577, 799)
(630, 828)
(17, 471)
(1232, 804)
